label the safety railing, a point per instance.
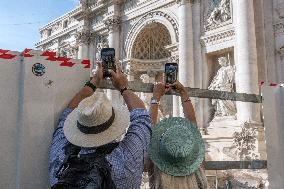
(211, 94)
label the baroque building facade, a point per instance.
(195, 33)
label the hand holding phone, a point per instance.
(108, 61)
(178, 87)
(171, 73)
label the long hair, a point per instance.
(160, 180)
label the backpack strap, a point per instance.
(98, 160)
(81, 166)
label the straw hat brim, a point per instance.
(118, 128)
(179, 168)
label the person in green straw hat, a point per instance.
(176, 148)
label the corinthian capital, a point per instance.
(112, 23)
(85, 37)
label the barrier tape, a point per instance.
(272, 84)
(50, 55)
(25, 53)
(4, 54)
(87, 63)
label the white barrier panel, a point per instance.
(273, 110)
(9, 102)
(34, 91)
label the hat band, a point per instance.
(98, 128)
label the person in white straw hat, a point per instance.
(98, 143)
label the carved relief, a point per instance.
(219, 11)
(151, 15)
(218, 38)
(157, 17)
(245, 142)
(173, 48)
(143, 66)
(84, 36)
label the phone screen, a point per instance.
(108, 60)
(171, 73)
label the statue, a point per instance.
(100, 46)
(219, 14)
(223, 81)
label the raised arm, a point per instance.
(188, 109)
(120, 82)
(87, 91)
(158, 91)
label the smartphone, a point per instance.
(108, 61)
(171, 73)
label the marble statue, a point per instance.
(223, 81)
(100, 46)
(220, 13)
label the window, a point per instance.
(49, 32)
(65, 24)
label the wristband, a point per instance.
(91, 85)
(154, 101)
(124, 89)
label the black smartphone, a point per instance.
(108, 60)
(171, 73)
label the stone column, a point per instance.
(186, 60)
(113, 26)
(83, 51)
(92, 54)
(246, 58)
(84, 39)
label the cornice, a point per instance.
(55, 36)
(144, 7)
(142, 65)
(218, 37)
(61, 18)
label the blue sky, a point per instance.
(20, 20)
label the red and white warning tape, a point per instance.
(272, 84)
(49, 55)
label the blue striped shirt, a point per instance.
(127, 159)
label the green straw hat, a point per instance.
(176, 147)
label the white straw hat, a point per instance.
(96, 122)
